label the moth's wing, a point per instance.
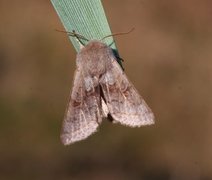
(125, 105)
(83, 113)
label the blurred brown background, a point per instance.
(168, 58)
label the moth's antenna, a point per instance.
(116, 34)
(74, 34)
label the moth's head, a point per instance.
(95, 44)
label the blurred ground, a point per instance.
(167, 57)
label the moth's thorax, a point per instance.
(95, 57)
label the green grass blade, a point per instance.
(86, 17)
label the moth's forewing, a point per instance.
(83, 114)
(124, 103)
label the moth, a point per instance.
(100, 90)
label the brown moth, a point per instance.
(101, 89)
